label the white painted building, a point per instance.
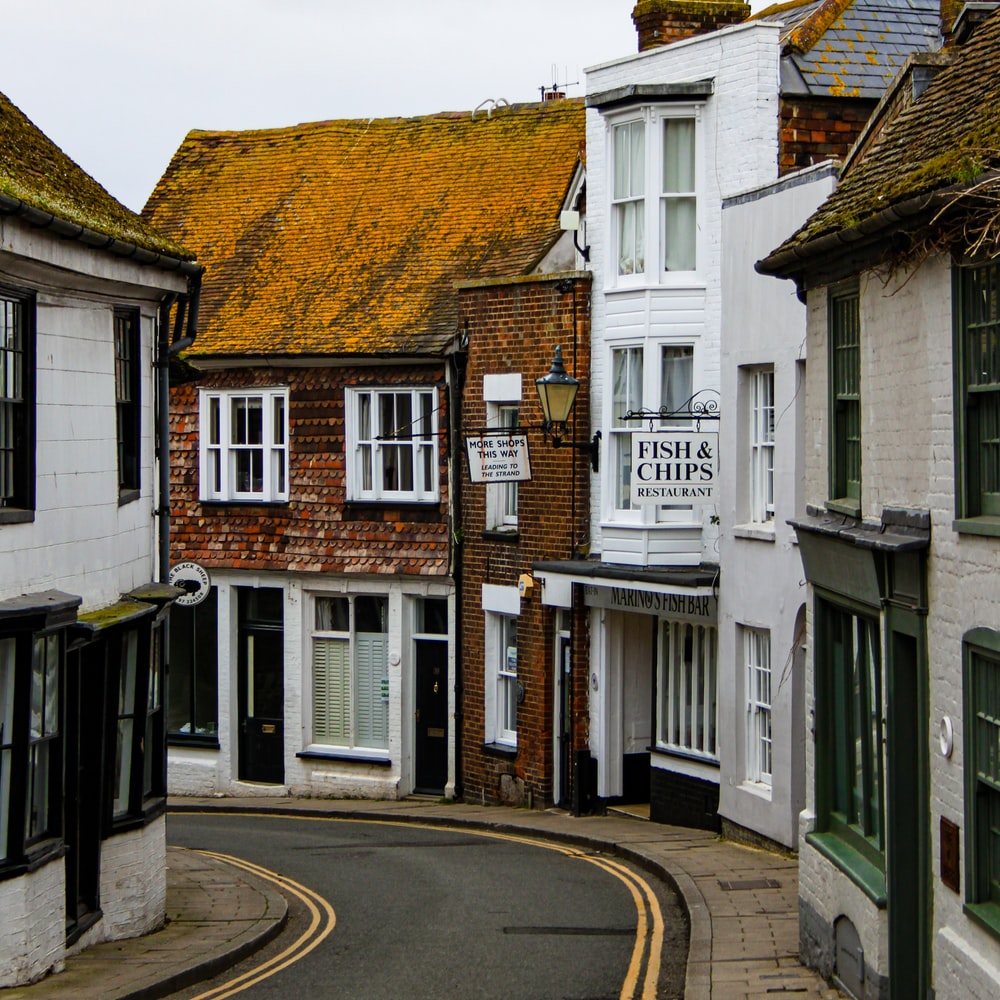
(898, 859)
(762, 625)
(85, 295)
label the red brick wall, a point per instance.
(316, 530)
(660, 22)
(815, 129)
(515, 328)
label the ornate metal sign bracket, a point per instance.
(702, 405)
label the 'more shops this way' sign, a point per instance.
(675, 467)
(498, 458)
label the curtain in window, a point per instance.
(679, 221)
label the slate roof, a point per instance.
(850, 48)
(949, 137)
(36, 174)
(346, 237)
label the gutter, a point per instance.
(91, 238)
(794, 261)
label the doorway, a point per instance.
(84, 802)
(260, 684)
(431, 750)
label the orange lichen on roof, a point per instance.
(805, 35)
(343, 237)
(37, 173)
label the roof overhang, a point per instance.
(651, 93)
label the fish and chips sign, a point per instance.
(675, 467)
(498, 458)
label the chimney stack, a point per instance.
(660, 22)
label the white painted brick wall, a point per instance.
(133, 882)
(32, 925)
(908, 460)
(739, 136)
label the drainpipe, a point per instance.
(166, 348)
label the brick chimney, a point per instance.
(660, 22)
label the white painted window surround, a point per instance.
(502, 606)
(502, 395)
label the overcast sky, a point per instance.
(118, 83)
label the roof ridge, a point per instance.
(804, 36)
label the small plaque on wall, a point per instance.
(950, 873)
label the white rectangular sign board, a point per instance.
(675, 467)
(498, 458)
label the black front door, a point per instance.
(85, 686)
(261, 684)
(431, 764)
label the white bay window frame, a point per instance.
(243, 444)
(648, 374)
(392, 451)
(653, 170)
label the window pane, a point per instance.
(39, 769)
(678, 155)
(677, 377)
(845, 342)
(193, 689)
(247, 420)
(680, 234)
(333, 614)
(370, 614)
(432, 615)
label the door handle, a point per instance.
(417, 714)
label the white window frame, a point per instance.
(687, 684)
(644, 192)
(757, 672)
(368, 441)
(760, 392)
(221, 449)
(501, 498)
(649, 392)
(347, 735)
(502, 607)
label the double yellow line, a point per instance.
(322, 920)
(647, 950)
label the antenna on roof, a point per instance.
(558, 90)
(491, 104)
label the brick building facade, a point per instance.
(513, 329)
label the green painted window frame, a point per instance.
(976, 346)
(981, 696)
(850, 759)
(844, 338)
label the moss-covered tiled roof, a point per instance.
(850, 48)
(950, 136)
(345, 237)
(36, 172)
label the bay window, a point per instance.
(654, 191)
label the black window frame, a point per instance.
(28, 849)
(17, 406)
(193, 658)
(845, 399)
(127, 343)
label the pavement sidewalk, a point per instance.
(742, 903)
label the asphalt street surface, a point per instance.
(436, 913)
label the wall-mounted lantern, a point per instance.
(557, 394)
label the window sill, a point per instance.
(317, 751)
(844, 506)
(503, 750)
(34, 858)
(986, 525)
(152, 808)
(243, 502)
(867, 876)
(683, 754)
(987, 915)
(394, 503)
(759, 789)
(511, 536)
(193, 740)
(763, 532)
(16, 515)
(127, 496)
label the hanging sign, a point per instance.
(674, 467)
(498, 458)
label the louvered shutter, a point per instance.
(331, 692)
(371, 668)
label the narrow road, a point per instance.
(428, 913)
